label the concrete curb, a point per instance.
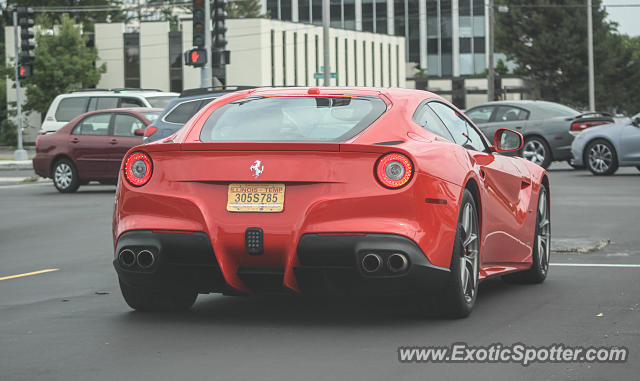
(23, 180)
(13, 164)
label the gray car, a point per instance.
(603, 149)
(548, 128)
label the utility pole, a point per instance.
(325, 40)
(491, 77)
(20, 153)
(592, 96)
(205, 71)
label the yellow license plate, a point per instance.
(262, 198)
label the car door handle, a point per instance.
(75, 140)
(519, 128)
(113, 141)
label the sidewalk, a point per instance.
(12, 164)
(7, 162)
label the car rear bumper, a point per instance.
(326, 264)
(42, 165)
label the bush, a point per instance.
(8, 134)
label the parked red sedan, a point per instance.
(91, 146)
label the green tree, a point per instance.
(547, 39)
(244, 9)
(87, 18)
(63, 63)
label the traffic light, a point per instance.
(24, 71)
(198, 23)
(195, 57)
(27, 45)
(220, 55)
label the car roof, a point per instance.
(144, 93)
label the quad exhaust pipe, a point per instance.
(145, 259)
(371, 263)
(397, 263)
(127, 258)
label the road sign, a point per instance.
(321, 75)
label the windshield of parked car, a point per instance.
(552, 110)
(160, 102)
(151, 116)
(292, 118)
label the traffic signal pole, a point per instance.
(20, 153)
(205, 71)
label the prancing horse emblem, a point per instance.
(256, 168)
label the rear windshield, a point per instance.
(552, 110)
(292, 119)
(160, 102)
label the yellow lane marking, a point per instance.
(28, 274)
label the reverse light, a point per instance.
(138, 169)
(394, 170)
(149, 131)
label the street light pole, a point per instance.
(592, 96)
(491, 77)
(325, 41)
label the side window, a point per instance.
(126, 124)
(106, 103)
(463, 133)
(131, 102)
(183, 112)
(427, 120)
(510, 113)
(480, 114)
(93, 125)
(69, 108)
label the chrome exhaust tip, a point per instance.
(146, 259)
(127, 258)
(397, 262)
(371, 263)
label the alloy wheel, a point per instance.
(544, 232)
(600, 157)
(534, 151)
(469, 257)
(63, 175)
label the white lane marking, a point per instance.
(623, 265)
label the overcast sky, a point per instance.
(627, 17)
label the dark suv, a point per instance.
(181, 109)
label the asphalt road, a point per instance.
(72, 323)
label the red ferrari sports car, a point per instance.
(316, 190)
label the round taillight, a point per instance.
(138, 168)
(394, 170)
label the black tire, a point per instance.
(570, 162)
(601, 158)
(541, 245)
(65, 176)
(638, 168)
(536, 150)
(151, 300)
(456, 301)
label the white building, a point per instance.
(264, 52)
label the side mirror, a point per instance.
(506, 140)
(139, 132)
